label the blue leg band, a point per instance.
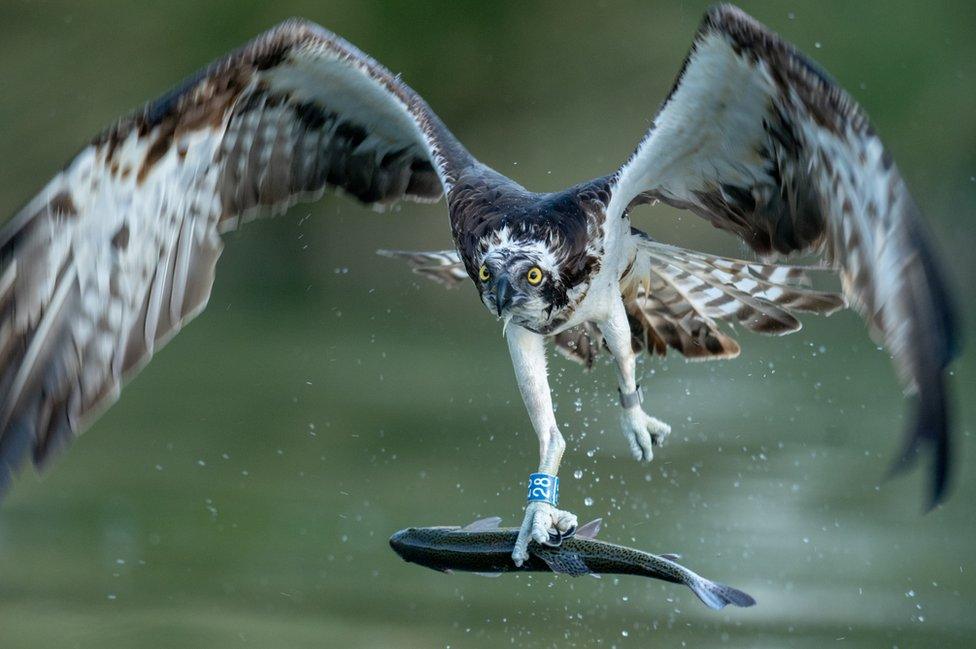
(543, 488)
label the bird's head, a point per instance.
(521, 282)
(532, 256)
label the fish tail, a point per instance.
(718, 596)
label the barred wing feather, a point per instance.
(118, 251)
(756, 139)
(676, 298)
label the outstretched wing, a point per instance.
(117, 252)
(676, 298)
(759, 141)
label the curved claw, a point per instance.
(643, 432)
(541, 525)
(556, 537)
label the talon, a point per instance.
(660, 432)
(643, 432)
(545, 525)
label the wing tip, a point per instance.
(15, 445)
(930, 428)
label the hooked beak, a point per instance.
(503, 294)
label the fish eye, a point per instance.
(483, 273)
(534, 276)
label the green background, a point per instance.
(242, 491)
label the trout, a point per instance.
(486, 549)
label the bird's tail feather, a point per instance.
(676, 299)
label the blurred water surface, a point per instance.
(242, 491)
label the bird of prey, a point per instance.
(117, 252)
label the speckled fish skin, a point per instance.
(454, 549)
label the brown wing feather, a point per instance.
(118, 252)
(581, 344)
(677, 298)
(755, 138)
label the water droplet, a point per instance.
(588, 501)
(578, 473)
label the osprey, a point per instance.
(118, 251)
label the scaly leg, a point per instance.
(641, 430)
(529, 359)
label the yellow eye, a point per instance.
(483, 273)
(534, 276)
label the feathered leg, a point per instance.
(641, 430)
(529, 359)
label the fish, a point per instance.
(485, 548)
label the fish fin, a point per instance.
(564, 563)
(717, 596)
(488, 574)
(671, 557)
(590, 530)
(483, 525)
